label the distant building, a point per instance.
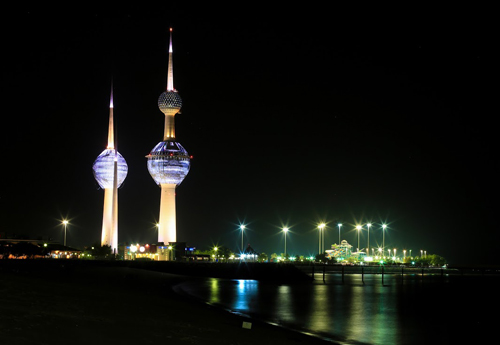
(249, 254)
(159, 252)
(35, 249)
(340, 251)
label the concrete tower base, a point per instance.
(167, 229)
(109, 222)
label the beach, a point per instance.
(92, 304)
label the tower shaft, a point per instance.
(109, 235)
(167, 225)
(169, 132)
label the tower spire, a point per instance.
(170, 76)
(111, 131)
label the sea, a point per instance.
(416, 307)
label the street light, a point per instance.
(285, 230)
(320, 248)
(358, 227)
(242, 227)
(383, 237)
(215, 256)
(169, 252)
(339, 225)
(368, 248)
(65, 223)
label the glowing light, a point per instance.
(285, 229)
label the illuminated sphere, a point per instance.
(104, 168)
(168, 163)
(169, 100)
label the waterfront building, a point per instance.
(340, 251)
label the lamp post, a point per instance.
(65, 223)
(169, 253)
(358, 227)
(285, 230)
(321, 227)
(339, 225)
(242, 227)
(383, 237)
(368, 248)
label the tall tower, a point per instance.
(168, 161)
(110, 170)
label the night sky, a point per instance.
(293, 116)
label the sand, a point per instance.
(113, 305)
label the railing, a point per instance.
(321, 271)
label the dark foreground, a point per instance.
(53, 303)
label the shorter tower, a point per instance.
(168, 162)
(110, 170)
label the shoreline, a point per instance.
(43, 304)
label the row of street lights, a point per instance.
(321, 239)
(359, 228)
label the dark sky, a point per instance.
(293, 116)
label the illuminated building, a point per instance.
(158, 252)
(340, 251)
(168, 162)
(110, 170)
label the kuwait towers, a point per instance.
(110, 170)
(168, 162)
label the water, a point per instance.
(408, 309)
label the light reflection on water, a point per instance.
(354, 312)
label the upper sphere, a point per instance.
(169, 100)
